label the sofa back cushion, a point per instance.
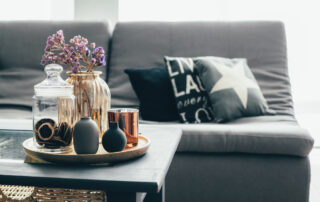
(144, 44)
(21, 48)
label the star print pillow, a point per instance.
(191, 98)
(232, 88)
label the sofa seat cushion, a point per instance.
(15, 118)
(258, 135)
(16, 112)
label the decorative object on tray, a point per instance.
(114, 139)
(92, 98)
(92, 94)
(128, 121)
(191, 98)
(71, 157)
(86, 136)
(53, 111)
(151, 85)
(232, 88)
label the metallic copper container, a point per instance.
(128, 120)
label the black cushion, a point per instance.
(232, 88)
(153, 90)
(191, 98)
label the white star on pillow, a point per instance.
(235, 78)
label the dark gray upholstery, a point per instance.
(14, 112)
(256, 135)
(143, 44)
(235, 177)
(21, 48)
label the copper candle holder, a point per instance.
(128, 120)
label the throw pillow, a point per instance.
(232, 88)
(191, 98)
(152, 87)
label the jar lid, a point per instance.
(53, 85)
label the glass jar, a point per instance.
(92, 98)
(53, 112)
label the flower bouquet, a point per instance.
(76, 55)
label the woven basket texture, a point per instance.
(25, 193)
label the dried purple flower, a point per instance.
(75, 55)
(98, 51)
(76, 67)
(79, 41)
(87, 51)
(93, 60)
(102, 61)
(92, 45)
(98, 54)
(43, 62)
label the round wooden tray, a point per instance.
(101, 156)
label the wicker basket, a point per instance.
(24, 193)
(16, 193)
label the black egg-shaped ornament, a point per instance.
(114, 139)
(86, 136)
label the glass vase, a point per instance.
(92, 98)
(53, 109)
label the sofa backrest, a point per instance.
(143, 45)
(21, 48)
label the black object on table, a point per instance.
(141, 179)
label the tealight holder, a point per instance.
(128, 120)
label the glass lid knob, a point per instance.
(53, 70)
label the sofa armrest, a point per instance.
(257, 135)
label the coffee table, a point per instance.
(141, 179)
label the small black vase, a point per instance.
(114, 139)
(86, 136)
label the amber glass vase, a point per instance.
(92, 97)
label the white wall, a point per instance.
(36, 9)
(97, 10)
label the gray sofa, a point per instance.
(250, 159)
